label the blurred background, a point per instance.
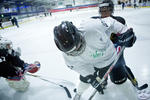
(22, 9)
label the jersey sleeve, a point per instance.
(119, 27)
(78, 66)
(115, 26)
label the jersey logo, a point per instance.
(98, 53)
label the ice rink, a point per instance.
(35, 38)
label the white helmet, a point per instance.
(5, 43)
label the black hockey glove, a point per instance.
(126, 39)
(94, 82)
(97, 86)
(7, 70)
(114, 37)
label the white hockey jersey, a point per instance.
(99, 51)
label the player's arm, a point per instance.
(124, 35)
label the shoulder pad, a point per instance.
(119, 19)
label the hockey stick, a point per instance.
(64, 87)
(107, 73)
(144, 86)
(134, 82)
(141, 94)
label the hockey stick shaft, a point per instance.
(107, 73)
(40, 77)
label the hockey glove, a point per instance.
(32, 68)
(127, 39)
(6, 70)
(95, 84)
(114, 37)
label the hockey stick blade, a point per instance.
(144, 86)
(64, 87)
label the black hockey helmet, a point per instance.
(67, 37)
(106, 5)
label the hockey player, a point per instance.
(16, 21)
(89, 51)
(13, 68)
(106, 9)
(1, 22)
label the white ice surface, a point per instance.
(35, 39)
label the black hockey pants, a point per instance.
(117, 75)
